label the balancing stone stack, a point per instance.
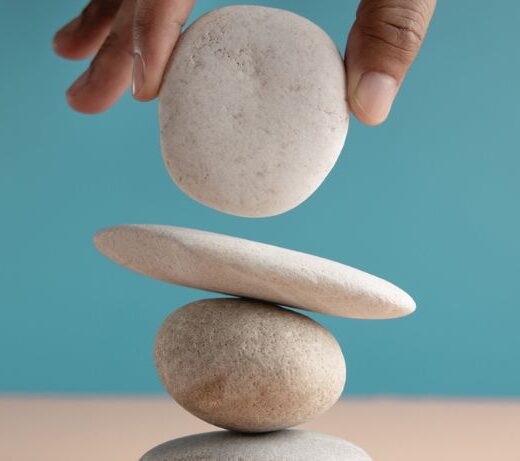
(245, 363)
(253, 116)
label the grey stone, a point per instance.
(247, 365)
(253, 110)
(225, 264)
(275, 446)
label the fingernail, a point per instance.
(78, 85)
(137, 74)
(375, 94)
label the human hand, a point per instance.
(133, 39)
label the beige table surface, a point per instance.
(120, 429)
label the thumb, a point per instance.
(157, 26)
(382, 44)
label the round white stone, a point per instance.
(225, 264)
(253, 110)
(275, 446)
(247, 365)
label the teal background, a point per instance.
(429, 201)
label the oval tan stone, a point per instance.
(247, 365)
(274, 446)
(240, 267)
(253, 110)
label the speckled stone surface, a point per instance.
(225, 264)
(247, 365)
(275, 446)
(253, 110)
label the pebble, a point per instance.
(289, 445)
(247, 365)
(253, 110)
(235, 266)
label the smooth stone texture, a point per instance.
(253, 110)
(247, 365)
(225, 264)
(275, 446)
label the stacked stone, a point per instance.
(245, 363)
(253, 117)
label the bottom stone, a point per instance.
(289, 445)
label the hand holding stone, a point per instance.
(141, 34)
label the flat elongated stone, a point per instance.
(253, 110)
(225, 264)
(275, 446)
(247, 365)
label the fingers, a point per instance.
(382, 44)
(84, 35)
(157, 26)
(109, 74)
(109, 25)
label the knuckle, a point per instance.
(147, 14)
(390, 24)
(143, 18)
(142, 22)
